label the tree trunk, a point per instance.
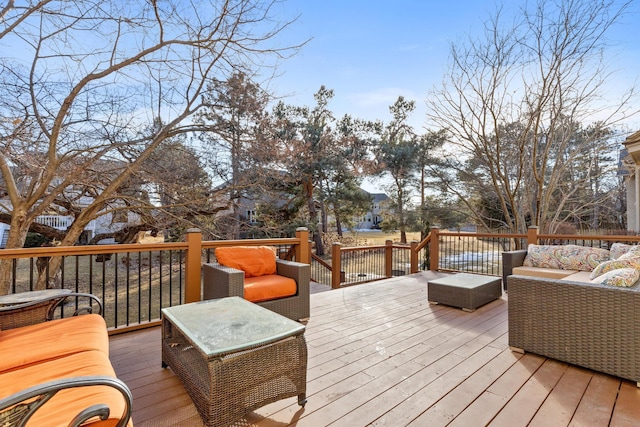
(313, 217)
(336, 213)
(17, 235)
(401, 216)
(323, 215)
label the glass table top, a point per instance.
(24, 297)
(228, 325)
(465, 280)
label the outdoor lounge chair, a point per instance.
(254, 273)
(56, 371)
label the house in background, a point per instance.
(58, 222)
(373, 218)
(249, 209)
(631, 165)
(107, 223)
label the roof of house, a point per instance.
(379, 197)
(633, 138)
(632, 143)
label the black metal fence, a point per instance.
(133, 286)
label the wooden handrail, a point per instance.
(88, 250)
(192, 260)
(424, 242)
(193, 248)
(322, 262)
(368, 247)
(250, 242)
(193, 244)
(532, 237)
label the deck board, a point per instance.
(563, 400)
(381, 355)
(596, 405)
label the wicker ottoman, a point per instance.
(463, 290)
(234, 356)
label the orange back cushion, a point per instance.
(253, 260)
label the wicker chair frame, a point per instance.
(43, 309)
(220, 281)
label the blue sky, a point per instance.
(370, 52)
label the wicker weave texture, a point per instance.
(467, 298)
(589, 325)
(510, 260)
(42, 309)
(224, 389)
(220, 281)
(25, 316)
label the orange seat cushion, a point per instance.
(268, 287)
(253, 260)
(66, 404)
(33, 344)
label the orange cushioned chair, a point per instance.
(56, 372)
(255, 274)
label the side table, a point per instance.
(464, 290)
(234, 356)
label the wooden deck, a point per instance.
(380, 355)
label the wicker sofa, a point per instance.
(574, 320)
(586, 324)
(57, 372)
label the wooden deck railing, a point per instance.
(360, 264)
(136, 281)
(482, 252)
(449, 251)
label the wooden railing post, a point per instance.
(532, 235)
(434, 248)
(388, 258)
(303, 250)
(336, 273)
(414, 257)
(193, 263)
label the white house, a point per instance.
(631, 164)
(374, 216)
(104, 224)
(108, 222)
(58, 222)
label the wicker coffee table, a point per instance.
(234, 356)
(463, 290)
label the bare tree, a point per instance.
(84, 83)
(515, 101)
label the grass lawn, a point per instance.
(377, 237)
